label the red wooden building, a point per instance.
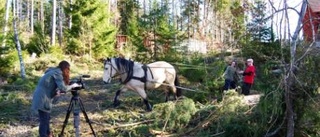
(121, 41)
(312, 20)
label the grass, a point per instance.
(129, 119)
(197, 114)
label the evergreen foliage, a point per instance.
(222, 5)
(190, 15)
(39, 42)
(7, 61)
(91, 32)
(173, 116)
(238, 21)
(128, 11)
(306, 90)
(156, 23)
(258, 27)
(129, 26)
(153, 26)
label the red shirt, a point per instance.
(249, 74)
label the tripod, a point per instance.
(76, 105)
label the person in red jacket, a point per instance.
(248, 77)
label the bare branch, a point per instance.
(281, 10)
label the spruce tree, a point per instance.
(258, 27)
(90, 33)
(157, 23)
(129, 10)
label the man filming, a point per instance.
(51, 84)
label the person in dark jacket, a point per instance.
(248, 77)
(230, 75)
(51, 84)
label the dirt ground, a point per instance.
(97, 102)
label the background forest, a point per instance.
(200, 37)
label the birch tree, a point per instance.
(18, 47)
(31, 17)
(6, 18)
(60, 27)
(54, 14)
(41, 15)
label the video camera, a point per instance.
(79, 81)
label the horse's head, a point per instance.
(109, 70)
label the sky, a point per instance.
(278, 22)
(279, 26)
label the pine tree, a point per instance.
(258, 27)
(90, 33)
(190, 16)
(157, 23)
(129, 23)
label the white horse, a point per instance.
(139, 77)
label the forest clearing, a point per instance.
(247, 68)
(129, 119)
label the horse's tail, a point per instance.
(177, 83)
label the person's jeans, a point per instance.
(228, 84)
(44, 127)
(246, 88)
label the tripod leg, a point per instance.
(67, 117)
(86, 116)
(76, 117)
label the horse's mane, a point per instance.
(125, 66)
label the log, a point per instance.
(252, 99)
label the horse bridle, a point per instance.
(142, 79)
(112, 67)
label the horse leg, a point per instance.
(143, 94)
(167, 96)
(116, 101)
(173, 82)
(175, 94)
(168, 93)
(173, 89)
(149, 107)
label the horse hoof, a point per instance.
(149, 108)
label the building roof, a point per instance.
(314, 5)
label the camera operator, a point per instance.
(51, 84)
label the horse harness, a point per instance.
(144, 78)
(130, 75)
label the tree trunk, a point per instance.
(144, 7)
(18, 47)
(14, 8)
(28, 20)
(19, 9)
(31, 17)
(70, 17)
(42, 15)
(289, 105)
(154, 38)
(290, 81)
(60, 23)
(54, 13)
(6, 18)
